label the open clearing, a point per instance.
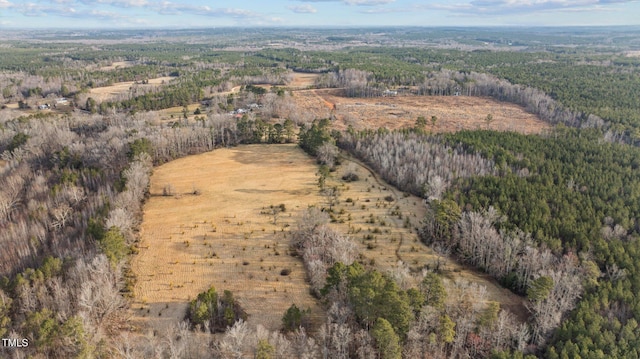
(117, 65)
(302, 80)
(225, 237)
(220, 237)
(109, 92)
(454, 113)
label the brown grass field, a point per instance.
(108, 92)
(454, 113)
(223, 238)
(302, 80)
(220, 237)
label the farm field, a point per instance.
(226, 237)
(454, 113)
(111, 92)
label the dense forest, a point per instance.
(554, 218)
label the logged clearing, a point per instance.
(453, 113)
(110, 92)
(221, 236)
(226, 237)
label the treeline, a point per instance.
(413, 162)
(70, 204)
(547, 220)
(606, 87)
(535, 101)
(575, 194)
(551, 283)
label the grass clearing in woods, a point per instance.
(225, 236)
(107, 93)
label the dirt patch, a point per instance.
(453, 113)
(121, 88)
(222, 236)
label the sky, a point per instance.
(124, 14)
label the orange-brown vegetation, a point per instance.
(453, 113)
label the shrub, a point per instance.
(294, 318)
(218, 313)
(350, 177)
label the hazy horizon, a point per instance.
(148, 14)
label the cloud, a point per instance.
(356, 2)
(367, 2)
(169, 8)
(497, 7)
(5, 4)
(117, 3)
(165, 7)
(303, 9)
(503, 7)
(35, 10)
